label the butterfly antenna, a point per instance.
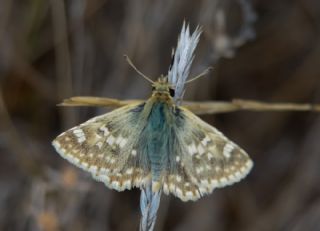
(136, 69)
(205, 72)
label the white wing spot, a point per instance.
(199, 170)
(80, 135)
(97, 136)
(77, 131)
(72, 159)
(205, 182)
(107, 179)
(93, 169)
(203, 190)
(105, 130)
(205, 141)
(115, 185)
(134, 152)
(76, 160)
(75, 151)
(223, 181)
(129, 171)
(57, 144)
(127, 184)
(85, 165)
(192, 149)
(249, 164)
(238, 174)
(172, 187)
(113, 160)
(118, 140)
(200, 149)
(214, 183)
(243, 169)
(232, 178)
(179, 192)
(104, 171)
(99, 144)
(177, 158)
(123, 142)
(110, 140)
(189, 195)
(178, 178)
(193, 179)
(98, 177)
(81, 139)
(227, 149)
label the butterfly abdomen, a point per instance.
(156, 140)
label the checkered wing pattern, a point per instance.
(204, 159)
(105, 147)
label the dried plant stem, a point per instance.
(199, 108)
(149, 204)
(96, 102)
(249, 105)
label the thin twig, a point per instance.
(215, 107)
(199, 108)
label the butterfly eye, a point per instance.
(171, 91)
(153, 88)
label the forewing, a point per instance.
(105, 147)
(203, 159)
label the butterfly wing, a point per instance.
(200, 160)
(105, 147)
(203, 159)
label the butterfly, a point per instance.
(155, 142)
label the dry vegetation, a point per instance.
(262, 50)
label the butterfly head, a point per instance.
(162, 90)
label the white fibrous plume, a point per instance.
(182, 59)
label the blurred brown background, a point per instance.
(262, 50)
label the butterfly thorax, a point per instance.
(162, 91)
